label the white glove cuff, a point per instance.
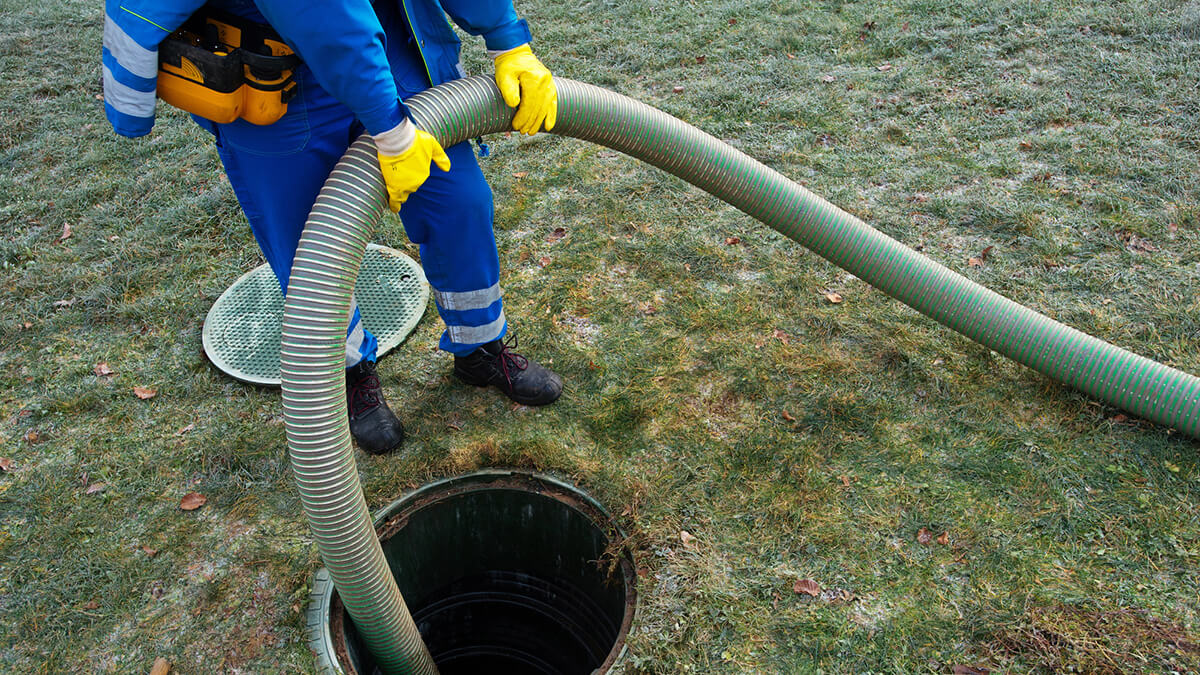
(496, 53)
(397, 139)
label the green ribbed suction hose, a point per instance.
(331, 249)
(316, 313)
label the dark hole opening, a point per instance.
(506, 573)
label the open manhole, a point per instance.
(503, 572)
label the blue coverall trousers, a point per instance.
(276, 172)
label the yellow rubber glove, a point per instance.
(405, 153)
(527, 86)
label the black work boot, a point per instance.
(372, 423)
(521, 379)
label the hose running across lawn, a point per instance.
(331, 249)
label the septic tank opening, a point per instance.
(504, 572)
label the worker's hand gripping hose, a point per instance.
(316, 313)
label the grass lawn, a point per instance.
(955, 509)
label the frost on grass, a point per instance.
(872, 613)
(217, 609)
(585, 330)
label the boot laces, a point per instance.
(510, 361)
(364, 394)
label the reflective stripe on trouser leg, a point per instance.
(450, 217)
(276, 172)
(360, 343)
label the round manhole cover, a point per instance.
(242, 329)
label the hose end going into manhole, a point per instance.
(504, 572)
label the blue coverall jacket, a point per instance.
(360, 60)
(342, 42)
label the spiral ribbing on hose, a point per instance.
(312, 364)
(331, 249)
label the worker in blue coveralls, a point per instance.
(359, 61)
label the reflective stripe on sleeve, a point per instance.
(125, 77)
(132, 56)
(127, 100)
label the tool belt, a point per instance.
(223, 67)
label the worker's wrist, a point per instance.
(396, 140)
(494, 54)
(508, 35)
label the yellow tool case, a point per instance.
(222, 67)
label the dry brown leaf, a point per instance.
(66, 233)
(192, 501)
(91, 604)
(1136, 243)
(32, 436)
(733, 22)
(150, 552)
(829, 79)
(924, 536)
(986, 253)
(883, 68)
(701, 59)
(677, 89)
(520, 174)
(186, 429)
(787, 416)
(944, 539)
(6, 464)
(730, 241)
(689, 541)
(543, 261)
(94, 488)
(101, 369)
(974, 262)
(970, 670)
(781, 336)
(64, 303)
(833, 297)
(807, 587)
(845, 481)
(27, 325)
(161, 667)
(558, 233)
(1025, 145)
(144, 392)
